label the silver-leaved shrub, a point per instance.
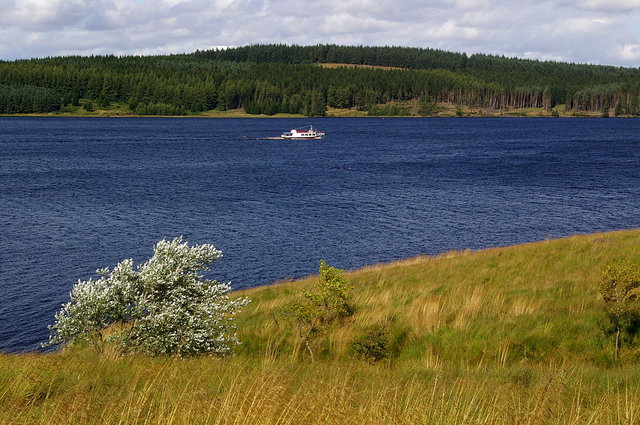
(164, 306)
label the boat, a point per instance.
(302, 134)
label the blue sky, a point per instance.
(585, 31)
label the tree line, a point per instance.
(27, 99)
(268, 79)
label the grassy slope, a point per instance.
(534, 302)
(499, 336)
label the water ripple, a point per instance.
(80, 194)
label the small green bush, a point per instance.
(324, 307)
(374, 345)
(620, 291)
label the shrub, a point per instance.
(158, 109)
(324, 307)
(388, 110)
(620, 291)
(374, 345)
(164, 306)
(428, 107)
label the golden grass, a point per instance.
(240, 113)
(499, 336)
(465, 304)
(90, 390)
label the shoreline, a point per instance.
(248, 116)
(408, 262)
(443, 255)
(445, 111)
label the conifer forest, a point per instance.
(270, 79)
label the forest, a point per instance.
(278, 78)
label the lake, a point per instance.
(78, 194)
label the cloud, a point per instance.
(42, 15)
(607, 5)
(630, 52)
(593, 31)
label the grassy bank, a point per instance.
(122, 110)
(411, 108)
(500, 336)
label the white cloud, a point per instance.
(630, 52)
(579, 25)
(607, 5)
(543, 56)
(594, 31)
(470, 4)
(451, 30)
(38, 15)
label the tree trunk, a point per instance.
(310, 350)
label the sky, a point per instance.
(583, 31)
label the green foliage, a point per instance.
(330, 297)
(617, 111)
(25, 99)
(428, 107)
(324, 307)
(388, 111)
(88, 106)
(157, 109)
(269, 79)
(403, 57)
(374, 345)
(317, 105)
(104, 101)
(555, 113)
(620, 291)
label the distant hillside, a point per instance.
(270, 79)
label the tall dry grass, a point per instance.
(532, 302)
(93, 390)
(500, 336)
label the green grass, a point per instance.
(466, 306)
(499, 336)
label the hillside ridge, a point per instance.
(282, 79)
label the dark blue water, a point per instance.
(81, 194)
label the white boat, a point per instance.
(302, 134)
